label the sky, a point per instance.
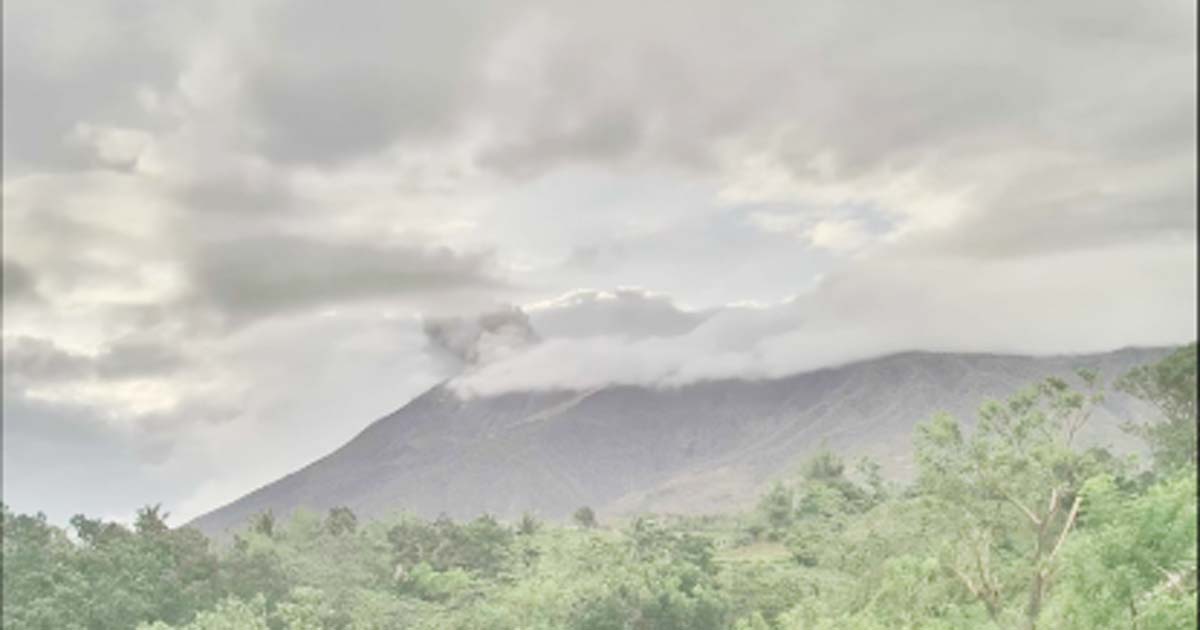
(236, 232)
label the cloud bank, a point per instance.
(1055, 305)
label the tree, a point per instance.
(95, 532)
(341, 521)
(1010, 490)
(585, 517)
(43, 587)
(485, 546)
(256, 565)
(777, 507)
(754, 622)
(528, 525)
(151, 520)
(306, 609)
(264, 523)
(1170, 386)
(825, 465)
(870, 472)
(1134, 566)
(228, 614)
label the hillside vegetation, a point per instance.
(1010, 523)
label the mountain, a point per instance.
(704, 447)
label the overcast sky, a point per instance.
(237, 232)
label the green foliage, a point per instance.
(111, 578)
(227, 614)
(264, 524)
(43, 587)
(483, 546)
(1134, 565)
(528, 525)
(754, 622)
(585, 517)
(777, 508)
(341, 521)
(766, 590)
(1007, 525)
(151, 520)
(1170, 386)
(820, 502)
(1009, 493)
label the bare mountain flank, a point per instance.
(705, 447)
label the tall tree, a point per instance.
(1010, 490)
(1170, 386)
(151, 520)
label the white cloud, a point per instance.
(840, 235)
(1064, 303)
(113, 145)
(624, 312)
(836, 230)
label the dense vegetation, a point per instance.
(1009, 525)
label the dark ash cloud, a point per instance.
(464, 342)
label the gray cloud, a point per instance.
(32, 360)
(20, 285)
(1057, 212)
(1047, 127)
(261, 276)
(557, 83)
(232, 193)
(605, 136)
(1013, 100)
(868, 84)
(127, 358)
(68, 64)
(330, 82)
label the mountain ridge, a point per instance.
(622, 449)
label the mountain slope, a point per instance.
(709, 446)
